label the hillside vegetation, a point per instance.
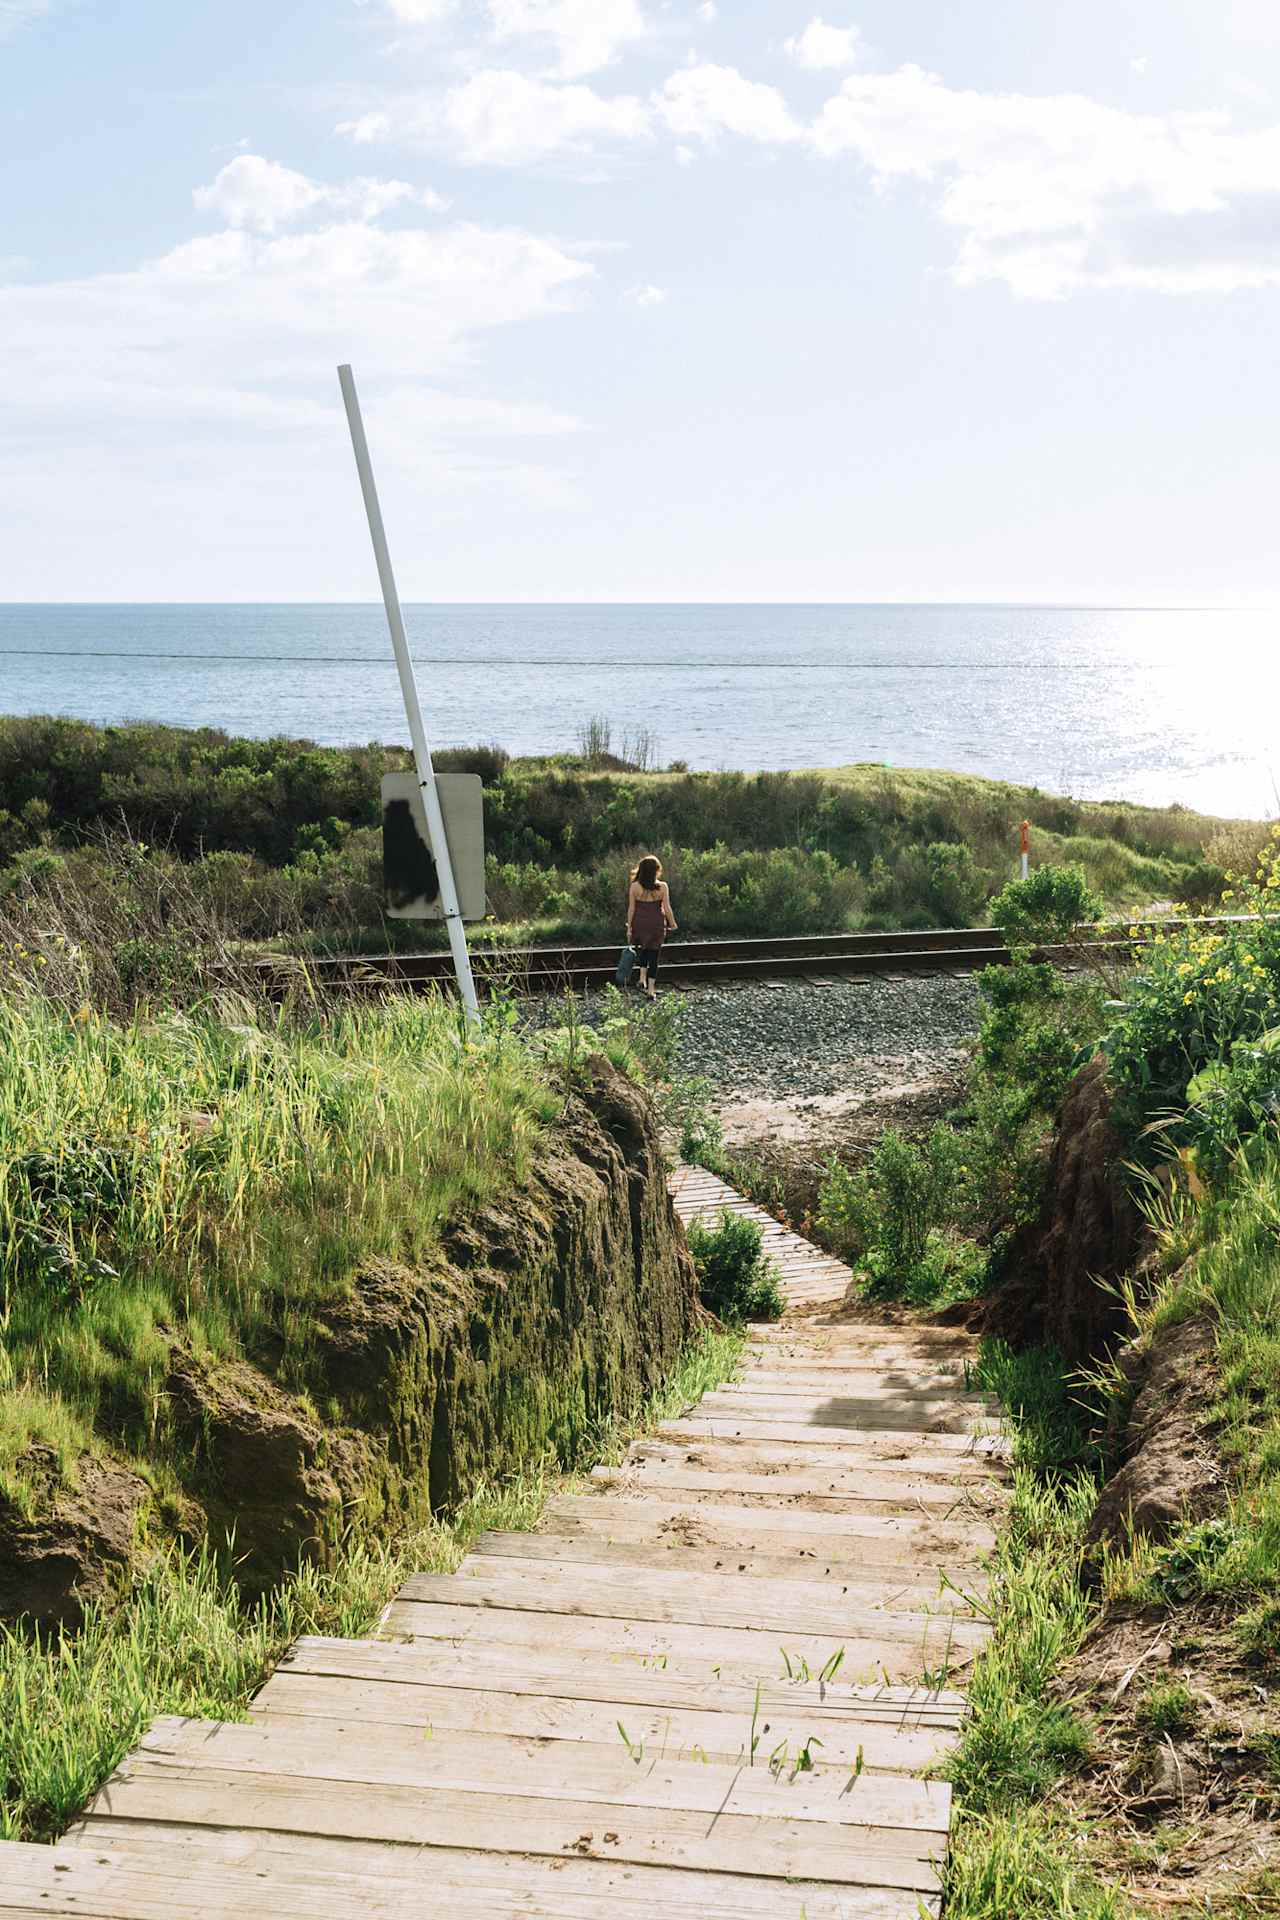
(1105, 1207)
(280, 839)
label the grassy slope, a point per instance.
(221, 1176)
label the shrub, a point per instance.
(889, 1218)
(489, 761)
(735, 1280)
(956, 892)
(1192, 1040)
(1046, 908)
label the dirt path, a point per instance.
(709, 1687)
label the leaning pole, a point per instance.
(412, 706)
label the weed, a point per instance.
(1167, 1707)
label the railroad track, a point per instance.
(815, 958)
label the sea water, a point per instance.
(1155, 705)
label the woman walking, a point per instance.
(649, 920)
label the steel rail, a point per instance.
(690, 963)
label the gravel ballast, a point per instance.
(796, 1042)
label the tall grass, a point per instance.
(1011, 1852)
(1229, 1276)
(223, 1171)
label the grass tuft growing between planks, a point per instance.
(72, 1706)
(1011, 1852)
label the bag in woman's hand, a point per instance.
(626, 966)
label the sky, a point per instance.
(647, 299)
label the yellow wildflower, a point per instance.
(1187, 998)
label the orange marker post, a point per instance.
(1024, 838)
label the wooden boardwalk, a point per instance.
(711, 1686)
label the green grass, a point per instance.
(1232, 1279)
(1167, 1707)
(222, 1173)
(186, 1642)
(1011, 1853)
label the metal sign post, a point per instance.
(409, 688)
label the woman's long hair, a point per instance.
(648, 872)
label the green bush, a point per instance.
(1192, 1042)
(1046, 908)
(956, 890)
(891, 1217)
(736, 1281)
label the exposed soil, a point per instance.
(1058, 1288)
(1185, 1819)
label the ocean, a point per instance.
(1156, 705)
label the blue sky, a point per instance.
(648, 299)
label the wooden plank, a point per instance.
(581, 1771)
(914, 1412)
(418, 1884)
(720, 1735)
(710, 1471)
(151, 1789)
(838, 1337)
(737, 1445)
(878, 1539)
(887, 1654)
(671, 1682)
(894, 1452)
(910, 1375)
(716, 1591)
(791, 1561)
(670, 1596)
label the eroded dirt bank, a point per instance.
(538, 1322)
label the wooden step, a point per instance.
(675, 1549)
(684, 1586)
(894, 1648)
(113, 1873)
(191, 1792)
(684, 1732)
(614, 1676)
(713, 1468)
(672, 1596)
(879, 1538)
(971, 1455)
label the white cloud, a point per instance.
(584, 35)
(708, 11)
(505, 119)
(367, 128)
(421, 13)
(685, 156)
(1139, 63)
(260, 194)
(1058, 192)
(647, 295)
(700, 102)
(191, 402)
(16, 14)
(821, 45)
